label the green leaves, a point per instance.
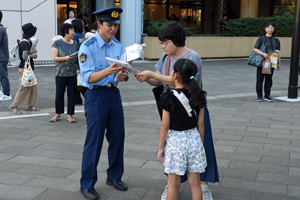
(152, 27)
(255, 26)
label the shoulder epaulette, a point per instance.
(90, 41)
(115, 40)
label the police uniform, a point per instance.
(103, 106)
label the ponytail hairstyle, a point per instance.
(187, 69)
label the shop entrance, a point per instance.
(63, 8)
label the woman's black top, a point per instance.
(271, 43)
(25, 46)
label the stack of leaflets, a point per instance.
(124, 64)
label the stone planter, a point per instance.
(216, 47)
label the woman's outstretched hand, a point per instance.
(143, 76)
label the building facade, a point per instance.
(204, 16)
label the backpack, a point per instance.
(15, 56)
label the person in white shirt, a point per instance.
(71, 17)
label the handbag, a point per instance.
(157, 91)
(78, 77)
(267, 66)
(28, 77)
(257, 59)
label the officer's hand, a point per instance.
(143, 76)
(121, 75)
(113, 69)
(68, 58)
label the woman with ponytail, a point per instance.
(182, 130)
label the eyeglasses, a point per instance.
(164, 43)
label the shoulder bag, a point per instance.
(157, 91)
(257, 59)
(267, 66)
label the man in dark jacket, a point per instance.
(4, 58)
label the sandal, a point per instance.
(71, 119)
(32, 108)
(55, 118)
(15, 109)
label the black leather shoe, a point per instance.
(118, 185)
(89, 194)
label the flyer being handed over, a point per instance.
(124, 64)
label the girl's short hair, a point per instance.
(173, 31)
(267, 25)
(64, 29)
(78, 26)
(187, 70)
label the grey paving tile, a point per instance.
(54, 183)
(263, 152)
(269, 196)
(34, 160)
(51, 194)
(255, 186)
(45, 171)
(241, 157)
(234, 164)
(278, 178)
(20, 192)
(244, 174)
(294, 191)
(239, 144)
(12, 178)
(266, 140)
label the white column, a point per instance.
(131, 22)
(249, 8)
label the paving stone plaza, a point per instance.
(257, 143)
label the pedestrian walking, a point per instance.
(65, 75)
(26, 96)
(271, 44)
(182, 130)
(4, 58)
(103, 104)
(172, 39)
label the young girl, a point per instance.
(182, 129)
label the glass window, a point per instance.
(284, 7)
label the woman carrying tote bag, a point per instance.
(271, 44)
(26, 96)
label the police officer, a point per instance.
(103, 106)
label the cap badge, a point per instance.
(115, 14)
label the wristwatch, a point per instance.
(127, 77)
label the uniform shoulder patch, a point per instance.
(115, 40)
(90, 41)
(83, 57)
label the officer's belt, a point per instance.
(107, 86)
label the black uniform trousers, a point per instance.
(259, 83)
(104, 111)
(61, 83)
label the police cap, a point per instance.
(109, 15)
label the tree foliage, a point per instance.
(255, 26)
(152, 27)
